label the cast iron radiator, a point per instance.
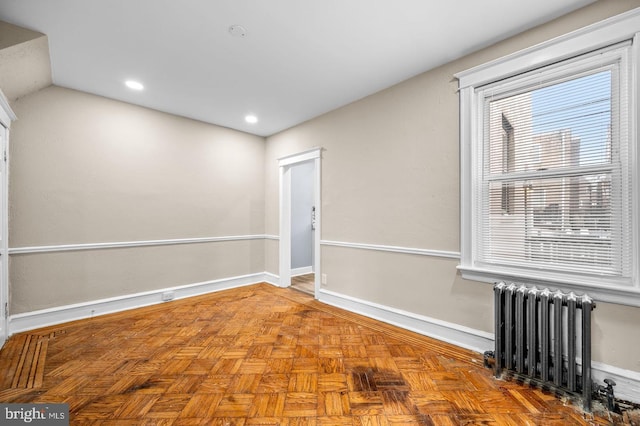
(541, 337)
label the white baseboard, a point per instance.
(272, 279)
(61, 314)
(302, 271)
(469, 338)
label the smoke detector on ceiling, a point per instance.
(237, 31)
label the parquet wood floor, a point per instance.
(261, 355)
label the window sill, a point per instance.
(610, 293)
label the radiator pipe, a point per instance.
(571, 342)
(499, 327)
(520, 332)
(532, 331)
(557, 338)
(544, 333)
(509, 326)
(587, 305)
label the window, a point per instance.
(549, 163)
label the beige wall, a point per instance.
(390, 176)
(24, 61)
(48, 280)
(85, 169)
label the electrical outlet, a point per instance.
(168, 295)
(324, 278)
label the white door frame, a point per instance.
(285, 164)
(6, 117)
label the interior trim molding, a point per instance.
(61, 314)
(394, 249)
(127, 244)
(6, 113)
(466, 337)
(310, 154)
(6, 117)
(272, 279)
(285, 166)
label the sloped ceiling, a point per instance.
(295, 59)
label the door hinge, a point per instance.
(6, 310)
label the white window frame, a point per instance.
(618, 29)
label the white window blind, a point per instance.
(554, 187)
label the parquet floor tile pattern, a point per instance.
(261, 355)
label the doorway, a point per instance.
(300, 220)
(6, 116)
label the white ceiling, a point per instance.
(299, 58)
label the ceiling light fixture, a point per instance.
(251, 119)
(135, 85)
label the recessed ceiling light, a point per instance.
(135, 85)
(251, 119)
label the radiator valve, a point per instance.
(607, 392)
